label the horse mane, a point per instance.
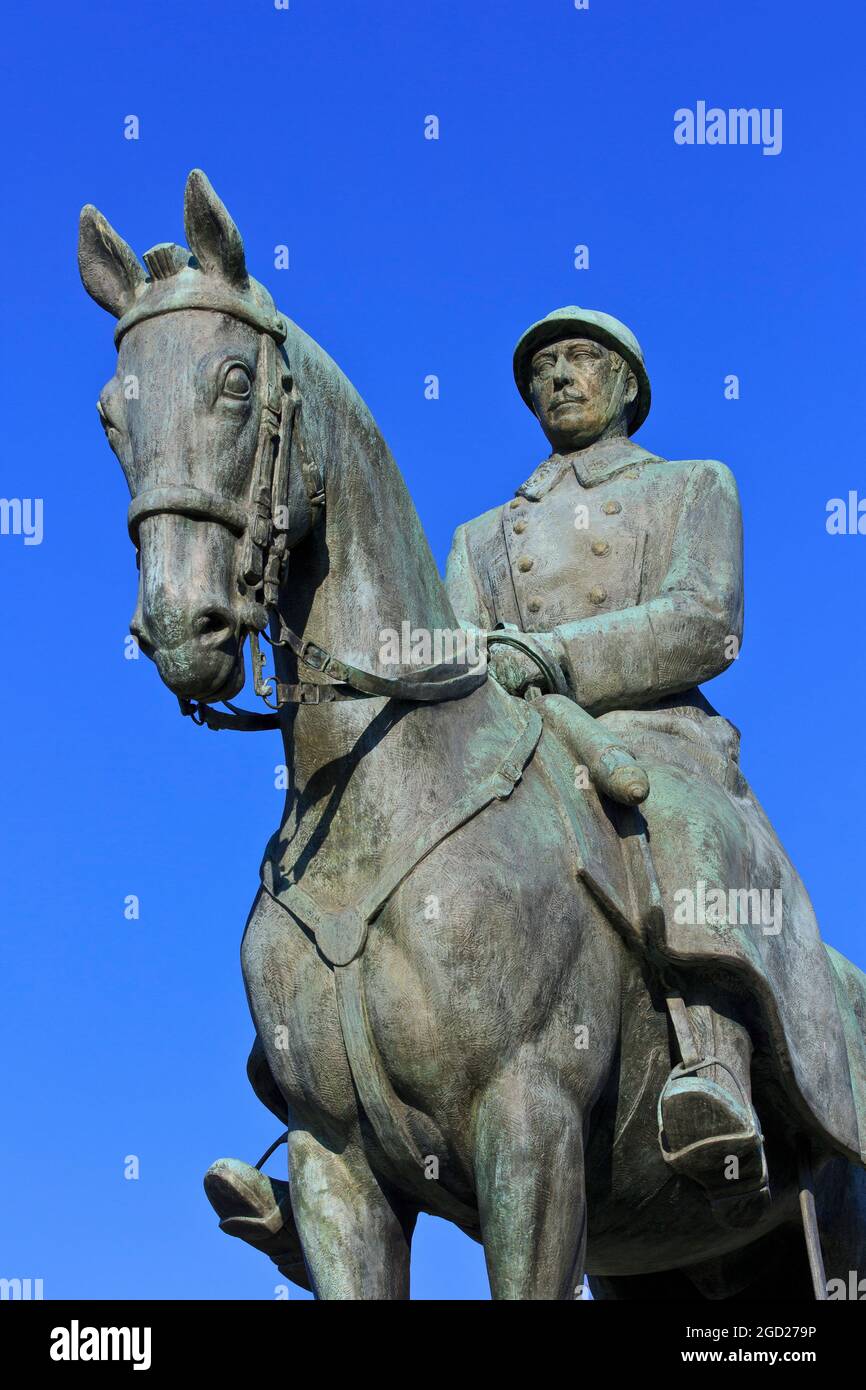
(374, 535)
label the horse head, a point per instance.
(200, 414)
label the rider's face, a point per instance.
(581, 392)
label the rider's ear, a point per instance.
(212, 235)
(109, 269)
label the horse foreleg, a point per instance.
(356, 1245)
(530, 1186)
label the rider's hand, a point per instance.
(513, 669)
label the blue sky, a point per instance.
(407, 257)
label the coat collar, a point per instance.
(591, 466)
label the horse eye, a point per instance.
(236, 383)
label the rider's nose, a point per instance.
(561, 372)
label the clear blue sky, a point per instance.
(408, 257)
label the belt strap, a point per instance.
(310, 693)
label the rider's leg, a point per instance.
(711, 1132)
(530, 1185)
(730, 1041)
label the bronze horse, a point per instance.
(449, 1016)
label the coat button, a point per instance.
(525, 563)
(519, 528)
(534, 605)
(611, 508)
(597, 594)
(600, 548)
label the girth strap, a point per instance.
(408, 1138)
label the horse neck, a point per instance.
(371, 558)
(365, 567)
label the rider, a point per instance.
(626, 569)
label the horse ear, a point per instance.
(109, 269)
(212, 235)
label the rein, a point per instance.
(343, 682)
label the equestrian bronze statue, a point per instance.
(526, 952)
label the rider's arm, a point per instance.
(683, 634)
(461, 584)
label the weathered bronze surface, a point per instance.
(505, 964)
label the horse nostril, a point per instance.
(213, 625)
(136, 628)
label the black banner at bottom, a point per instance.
(264, 1339)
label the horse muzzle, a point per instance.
(199, 655)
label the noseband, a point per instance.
(263, 564)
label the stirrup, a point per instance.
(678, 1158)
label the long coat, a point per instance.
(627, 568)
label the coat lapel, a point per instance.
(591, 466)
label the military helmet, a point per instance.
(573, 322)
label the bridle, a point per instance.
(264, 561)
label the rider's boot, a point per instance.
(709, 1131)
(257, 1209)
